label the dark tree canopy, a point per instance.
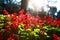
(58, 15)
(9, 5)
(52, 11)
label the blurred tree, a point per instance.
(1, 6)
(58, 15)
(10, 5)
(24, 4)
(52, 11)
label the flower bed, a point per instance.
(27, 27)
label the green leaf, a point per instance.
(1, 25)
(37, 30)
(2, 18)
(21, 27)
(36, 35)
(9, 19)
(45, 33)
(45, 27)
(57, 29)
(48, 36)
(28, 29)
(9, 23)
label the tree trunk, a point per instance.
(24, 5)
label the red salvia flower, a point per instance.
(45, 19)
(21, 11)
(34, 20)
(58, 22)
(12, 34)
(49, 20)
(14, 13)
(14, 25)
(5, 11)
(26, 26)
(10, 38)
(55, 22)
(55, 37)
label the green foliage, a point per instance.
(1, 26)
(9, 22)
(21, 27)
(51, 28)
(2, 18)
(36, 30)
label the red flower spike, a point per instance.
(34, 21)
(14, 25)
(26, 26)
(49, 20)
(14, 13)
(5, 11)
(45, 17)
(28, 15)
(55, 22)
(55, 37)
(12, 34)
(21, 11)
(44, 21)
(58, 22)
(10, 38)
